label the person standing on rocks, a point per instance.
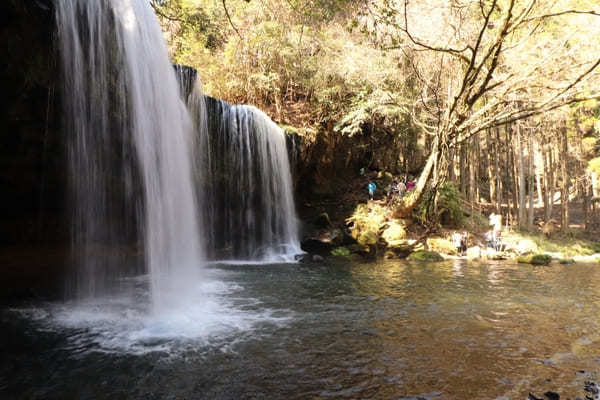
(371, 187)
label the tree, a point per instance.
(482, 64)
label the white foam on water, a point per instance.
(126, 323)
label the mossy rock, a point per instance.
(341, 252)
(526, 247)
(395, 234)
(441, 245)
(367, 238)
(426, 256)
(535, 259)
(368, 221)
(566, 261)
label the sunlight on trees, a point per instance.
(458, 80)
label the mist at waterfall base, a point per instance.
(150, 188)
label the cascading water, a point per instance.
(247, 184)
(130, 145)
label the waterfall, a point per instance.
(246, 183)
(130, 148)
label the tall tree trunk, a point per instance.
(410, 200)
(491, 155)
(551, 178)
(521, 170)
(564, 195)
(531, 182)
(478, 173)
(451, 162)
(472, 178)
(586, 201)
(539, 169)
(498, 175)
(463, 169)
(514, 182)
(546, 161)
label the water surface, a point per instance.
(452, 330)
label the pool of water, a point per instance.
(452, 330)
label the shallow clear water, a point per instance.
(453, 330)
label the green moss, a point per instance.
(368, 221)
(535, 259)
(367, 238)
(341, 252)
(426, 256)
(566, 261)
(572, 245)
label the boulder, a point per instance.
(394, 234)
(566, 261)
(425, 256)
(474, 253)
(535, 259)
(323, 221)
(441, 245)
(526, 246)
(316, 246)
(367, 238)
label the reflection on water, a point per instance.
(452, 330)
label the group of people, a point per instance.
(493, 237)
(396, 188)
(460, 242)
(493, 240)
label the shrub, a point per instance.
(449, 211)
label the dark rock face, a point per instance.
(32, 161)
(326, 162)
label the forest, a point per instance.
(497, 98)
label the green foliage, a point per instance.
(535, 259)
(594, 165)
(449, 205)
(449, 210)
